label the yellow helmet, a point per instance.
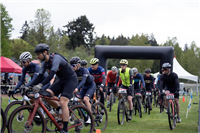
(123, 61)
(94, 61)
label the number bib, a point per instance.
(122, 91)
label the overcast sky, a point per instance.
(164, 19)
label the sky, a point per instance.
(112, 18)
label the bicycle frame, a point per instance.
(39, 102)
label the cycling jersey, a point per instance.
(126, 76)
(97, 74)
(171, 82)
(137, 80)
(149, 82)
(110, 77)
(85, 77)
(33, 71)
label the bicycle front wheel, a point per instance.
(19, 121)
(111, 101)
(149, 104)
(170, 115)
(121, 112)
(3, 121)
(139, 107)
(80, 120)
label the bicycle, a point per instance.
(171, 111)
(25, 122)
(148, 102)
(112, 98)
(3, 119)
(26, 101)
(162, 101)
(156, 92)
(99, 112)
(137, 102)
(122, 107)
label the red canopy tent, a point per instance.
(7, 65)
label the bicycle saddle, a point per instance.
(45, 93)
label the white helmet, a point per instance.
(134, 69)
(114, 68)
(25, 56)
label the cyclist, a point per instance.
(56, 64)
(98, 73)
(110, 81)
(171, 81)
(87, 82)
(149, 83)
(84, 63)
(137, 78)
(31, 68)
(126, 75)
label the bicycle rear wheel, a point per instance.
(121, 112)
(139, 107)
(100, 116)
(80, 120)
(3, 121)
(149, 104)
(111, 101)
(18, 120)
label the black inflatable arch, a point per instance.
(164, 54)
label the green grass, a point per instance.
(155, 122)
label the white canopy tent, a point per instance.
(182, 73)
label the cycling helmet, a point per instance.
(94, 61)
(123, 61)
(25, 56)
(148, 70)
(41, 48)
(114, 68)
(83, 63)
(166, 65)
(75, 60)
(135, 70)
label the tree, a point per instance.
(42, 25)
(102, 41)
(152, 41)
(53, 41)
(80, 32)
(24, 31)
(6, 29)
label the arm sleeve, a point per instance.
(142, 80)
(85, 75)
(37, 69)
(107, 79)
(177, 82)
(131, 76)
(22, 79)
(152, 83)
(48, 78)
(117, 77)
(162, 84)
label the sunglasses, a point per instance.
(134, 73)
(73, 65)
(165, 69)
(24, 61)
(38, 54)
(123, 64)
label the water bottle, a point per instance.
(60, 115)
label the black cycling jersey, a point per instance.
(33, 71)
(149, 82)
(84, 77)
(171, 82)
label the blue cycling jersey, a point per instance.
(97, 74)
(137, 80)
(33, 71)
(84, 77)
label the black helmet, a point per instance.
(166, 65)
(75, 60)
(41, 48)
(148, 70)
(83, 63)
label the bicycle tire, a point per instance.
(169, 113)
(3, 122)
(139, 107)
(98, 112)
(149, 104)
(10, 106)
(161, 106)
(111, 101)
(121, 106)
(135, 107)
(82, 109)
(29, 108)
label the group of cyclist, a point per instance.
(74, 76)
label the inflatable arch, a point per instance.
(164, 54)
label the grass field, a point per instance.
(154, 123)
